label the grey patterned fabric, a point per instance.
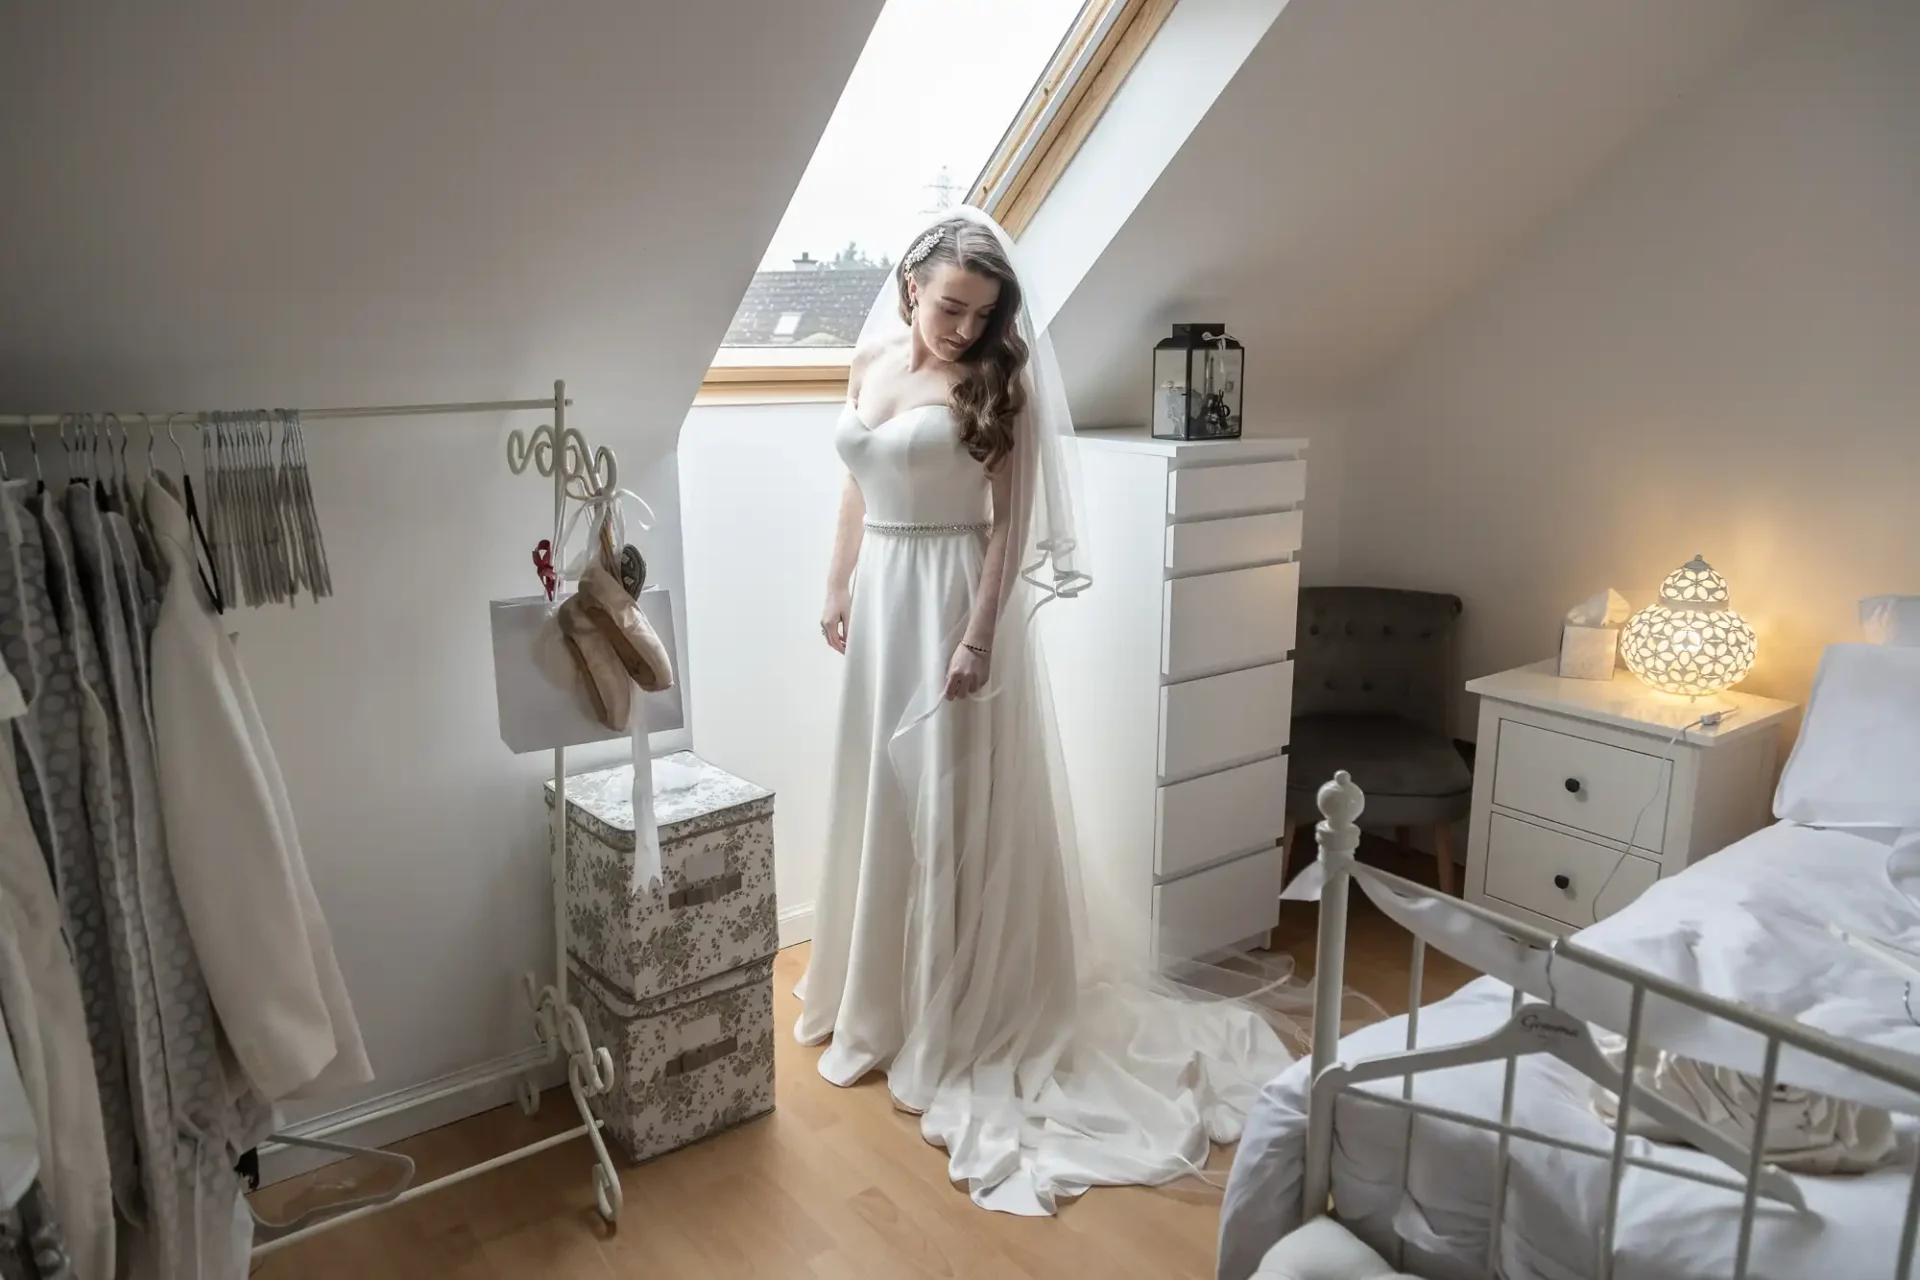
(1373, 682)
(193, 1129)
(39, 651)
(140, 605)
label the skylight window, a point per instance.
(950, 101)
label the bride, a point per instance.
(951, 947)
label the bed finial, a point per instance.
(1341, 803)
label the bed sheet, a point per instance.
(1750, 924)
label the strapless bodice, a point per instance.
(912, 469)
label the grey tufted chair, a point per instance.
(1373, 680)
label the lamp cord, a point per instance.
(1660, 780)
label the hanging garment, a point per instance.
(46, 1022)
(48, 766)
(154, 1213)
(234, 849)
(202, 1117)
(140, 603)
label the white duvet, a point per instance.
(1751, 924)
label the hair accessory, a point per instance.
(921, 248)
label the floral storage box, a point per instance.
(686, 1064)
(713, 909)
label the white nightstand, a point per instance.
(1583, 796)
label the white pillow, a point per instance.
(1857, 761)
(1891, 620)
(1324, 1250)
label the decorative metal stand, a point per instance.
(560, 452)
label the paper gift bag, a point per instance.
(543, 703)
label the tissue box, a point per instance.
(1588, 653)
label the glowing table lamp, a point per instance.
(1690, 643)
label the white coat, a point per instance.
(242, 879)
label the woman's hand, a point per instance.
(966, 674)
(833, 620)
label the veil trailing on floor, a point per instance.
(1045, 1058)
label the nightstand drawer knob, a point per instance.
(1563, 882)
(1573, 786)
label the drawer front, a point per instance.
(1590, 786)
(1208, 724)
(1194, 492)
(1216, 909)
(1560, 876)
(1219, 815)
(1207, 546)
(1225, 621)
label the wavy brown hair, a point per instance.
(989, 395)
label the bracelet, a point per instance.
(974, 648)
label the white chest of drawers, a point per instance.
(1583, 796)
(1174, 688)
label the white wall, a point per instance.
(1711, 350)
(760, 491)
(1369, 159)
(220, 204)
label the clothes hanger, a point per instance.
(66, 447)
(309, 511)
(268, 514)
(268, 1229)
(1540, 1028)
(273, 507)
(107, 491)
(33, 446)
(201, 551)
(83, 432)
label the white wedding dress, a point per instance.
(944, 949)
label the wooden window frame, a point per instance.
(1072, 94)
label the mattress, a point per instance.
(1749, 924)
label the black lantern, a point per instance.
(1198, 374)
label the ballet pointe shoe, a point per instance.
(626, 630)
(608, 687)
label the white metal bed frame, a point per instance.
(1539, 1029)
(582, 475)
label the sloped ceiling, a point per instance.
(211, 201)
(1370, 160)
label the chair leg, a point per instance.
(1286, 855)
(1443, 858)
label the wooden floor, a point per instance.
(835, 1184)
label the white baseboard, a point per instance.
(380, 1130)
(796, 925)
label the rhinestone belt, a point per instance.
(898, 529)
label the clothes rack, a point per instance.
(559, 452)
